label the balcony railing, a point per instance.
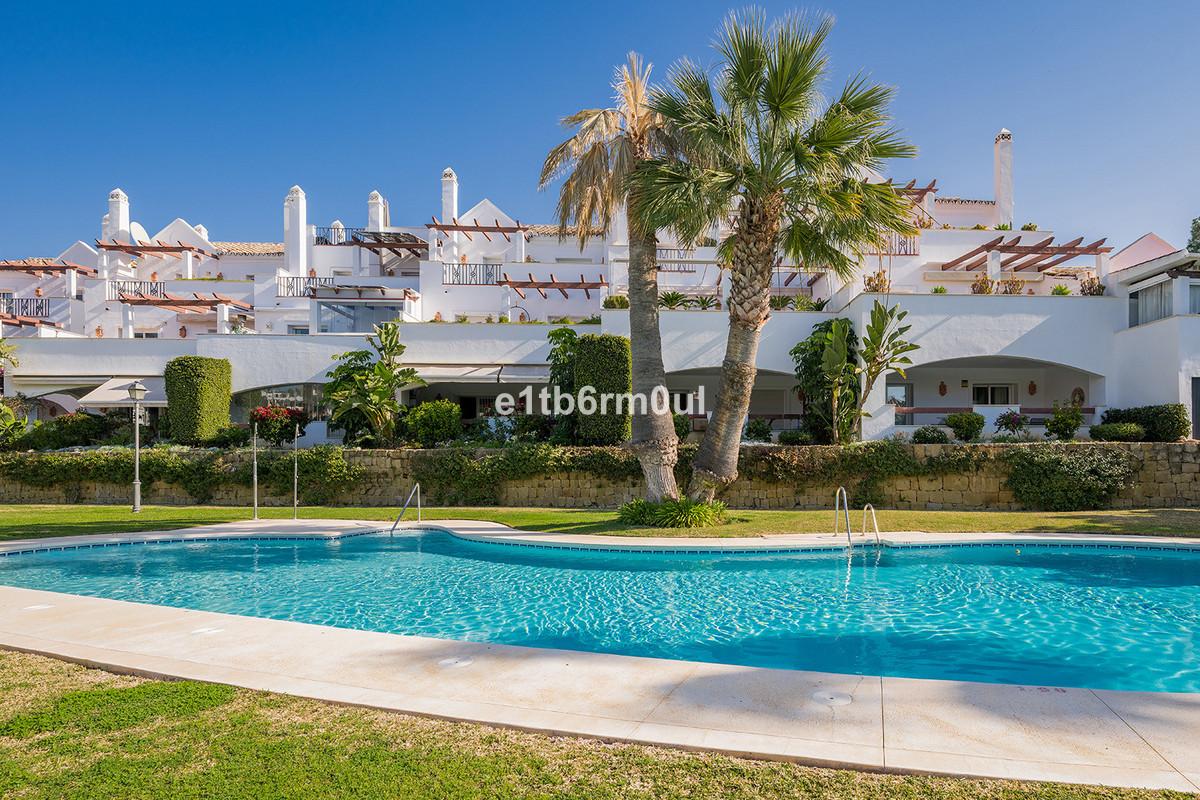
(330, 235)
(116, 288)
(299, 286)
(897, 245)
(674, 259)
(25, 306)
(470, 274)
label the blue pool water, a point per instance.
(1112, 619)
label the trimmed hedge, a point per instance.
(1163, 423)
(1117, 432)
(1063, 477)
(199, 391)
(967, 425)
(603, 362)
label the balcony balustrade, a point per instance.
(299, 286)
(38, 307)
(116, 288)
(470, 274)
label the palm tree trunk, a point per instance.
(654, 440)
(749, 304)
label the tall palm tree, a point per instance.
(596, 161)
(758, 142)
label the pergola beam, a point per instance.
(455, 225)
(983, 248)
(1033, 261)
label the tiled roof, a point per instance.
(964, 201)
(33, 262)
(552, 229)
(249, 248)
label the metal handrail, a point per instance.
(416, 490)
(842, 503)
(874, 522)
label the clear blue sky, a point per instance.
(212, 112)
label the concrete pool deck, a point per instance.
(895, 724)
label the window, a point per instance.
(145, 334)
(307, 396)
(297, 330)
(988, 394)
(356, 317)
(900, 394)
(1194, 298)
(1149, 304)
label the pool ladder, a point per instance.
(416, 492)
(841, 505)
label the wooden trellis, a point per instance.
(1042, 255)
(552, 284)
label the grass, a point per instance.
(35, 521)
(71, 732)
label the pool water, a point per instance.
(1052, 616)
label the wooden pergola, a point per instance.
(23, 322)
(196, 304)
(399, 244)
(40, 267)
(157, 248)
(913, 192)
(455, 226)
(364, 290)
(1043, 254)
(552, 284)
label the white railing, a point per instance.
(116, 288)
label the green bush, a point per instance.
(683, 425)
(532, 427)
(616, 301)
(1067, 477)
(231, 436)
(966, 425)
(930, 434)
(1064, 422)
(603, 366)
(795, 438)
(435, 422)
(198, 396)
(1163, 423)
(682, 513)
(68, 430)
(1117, 432)
(758, 430)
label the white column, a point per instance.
(1002, 176)
(126, 321)
(375, 211)
(1102, 266)
(103, 268)
(314, 317)
(295, 232)
(188, 264)
(993, 264)
(71, 279)
(222, 318)
(519, 247)
(450, 211)
(1180, 296)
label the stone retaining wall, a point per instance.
(1165, 475)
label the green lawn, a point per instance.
(71, 732)
(29, 521)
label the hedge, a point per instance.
(1163, 423)
(1065, 477)
(199, 390)
(434, 422)
(603, 362)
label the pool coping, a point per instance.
(865, 722)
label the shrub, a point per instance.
(683, 425)
(758, 430)
(1064, 422)
(983, 285)
(69, 430)
(1012, 286)
(435, 421)
(1163, 423)
(232, 436)
(603, 366)
(1117, 432)
(930, 434)
(938, 290)
(877, 282)
(616, 301)
(198, 395)
(673, 300)
(277, 424)
(532, 427)
(1060, 290)
(682, 513)
(795, 438)
(1062, 477)
(1029, 226)
(1012, 422)
(966, 425)
(815, 384)
(1091, 286)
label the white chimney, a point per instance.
(116, 222)
(295, 232)
(449, 195)
(1002, 177)
(375, 211)
(203, 231)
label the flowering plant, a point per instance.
(1012, 422)
(277, 424)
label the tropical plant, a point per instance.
(838, 369)
(683, 513)
(877, 283)
(1060, 290)
(1091, 286)
(983, 285)
(782, 302)
(1012, 286)
(11, 426)
(1003, 226)
(1029, 226)
(673, 301)
(758, 140)
(938, 290)
(814, 387)
(363, 390)
(705, 302)
(616, 301)
(884, 349)
(277, 424)
(596, 161)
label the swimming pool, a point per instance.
(1054, 615)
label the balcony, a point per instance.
(897, 245)
(38, 307)
(470, 274)
(332, 235)
(299, 286)
(116, 288)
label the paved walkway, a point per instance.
(952, 727)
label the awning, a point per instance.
(525, 373)
(460, 374)
(114, 393)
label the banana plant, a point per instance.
(884, 349)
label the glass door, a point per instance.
(901, 394)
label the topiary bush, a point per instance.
(1118, 432)
(966, 425)
(435, 421)
(1163, 423)
(930, 434)
(1064, 422)
(603, 366)
(795, 438)
(1061, 477)
(199, 390)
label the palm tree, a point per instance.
(596, 161)
(757, 142)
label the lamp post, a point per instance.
(137, 393)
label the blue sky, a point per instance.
(212, 112)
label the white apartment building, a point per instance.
(119, 306)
